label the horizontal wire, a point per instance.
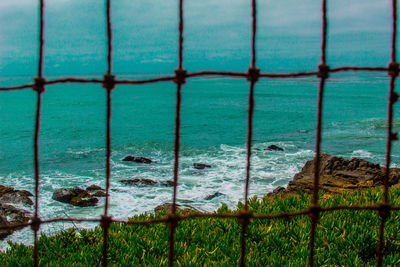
(201, 215)
(197, 74)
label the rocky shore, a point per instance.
(337, 175)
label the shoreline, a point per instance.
(336, 176)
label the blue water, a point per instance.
(214, 110)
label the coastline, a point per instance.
(337, 175)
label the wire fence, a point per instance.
(252, 75)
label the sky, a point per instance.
(217, 35)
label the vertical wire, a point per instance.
(314, 218)
(249, 140)
(180, 34)
(176, 170)
(37, 173)
(390, 136)
(318, 138)
(108, 88)
(37, 131)
(178, 110)
(109, 37)
(394, 30)
(41, 39)
(387, 171)
(108, 127)
(254, 31)
(177, 136)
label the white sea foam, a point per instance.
(361, 154)
(269, 169)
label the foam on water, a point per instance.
(227, 176)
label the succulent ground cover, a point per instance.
(344, 238)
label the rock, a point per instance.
(94, 188)
(14, 215)
(216, 194)
(75, 196)
(338, 174)
(63, 195)
(139, 182)
(6, 232)
(11, 215)
(13, 196)
(138, 159)
(181, 208)
(274, 148)
(25, 193)
(99, 194)
(84, 202)
(277, 191)
(201, 166)
(168, 183)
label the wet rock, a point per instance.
(201, 166)
(75, 196)
(183, 208)
(10, 215)
(139, 182)
(274, 148)
(216, 194)
(94, 188)
(338, 174)
(167, 183)
(14, 215)
(13, 196)
(66, 194)
(84, 201)
(25, 193)
(99, 194)
(6, 232)
(138, 159)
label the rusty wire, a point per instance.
(384, 212)
(252, 75)
(39, 88)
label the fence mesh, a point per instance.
(252, 75)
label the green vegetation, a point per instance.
(344, 238)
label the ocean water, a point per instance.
(214, 110)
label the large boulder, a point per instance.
(10, 215)
(14, 215)
(13, 196)
(76, 196)
(337, 174)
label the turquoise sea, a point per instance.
(214, 110)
